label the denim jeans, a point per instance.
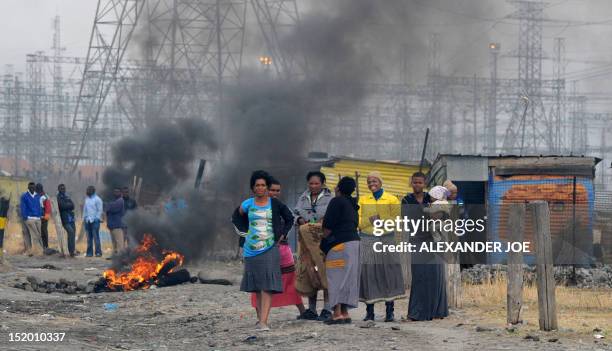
(70, 231)
(93, 235)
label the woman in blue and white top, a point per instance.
(268, 221)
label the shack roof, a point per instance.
(476, 167)
(556, 165)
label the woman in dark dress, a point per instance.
(428, 288)
(340, 244)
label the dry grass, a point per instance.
(13, 240)
(579, 311)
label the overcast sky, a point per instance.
(26, 26)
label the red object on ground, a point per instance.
(289, 296)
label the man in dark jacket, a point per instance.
(66, 211)
(115, 210)
(130, 205)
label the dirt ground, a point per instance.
(214, 317)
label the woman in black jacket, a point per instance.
(267, 221)
(341, 247)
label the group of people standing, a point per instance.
(35, 210)
(335, 234)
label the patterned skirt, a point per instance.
(342, 264)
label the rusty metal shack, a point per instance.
(488, 184)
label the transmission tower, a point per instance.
(529, 130)
(188, 50)
(276, 19)
(36, 142)
(12, 121)
(491, 121)
(59, 110)
(557, 116)
(114, 23)
(578, 134)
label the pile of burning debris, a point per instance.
(148, 265)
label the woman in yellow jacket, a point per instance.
(381, 273)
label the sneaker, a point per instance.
(324, 316)
(309, 315)
(98, 255)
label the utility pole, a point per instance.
(491, 129)
(433, 72)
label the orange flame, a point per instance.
(145, 268)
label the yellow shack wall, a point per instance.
(396, 177)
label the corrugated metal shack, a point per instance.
(490, 183)
(396, 174)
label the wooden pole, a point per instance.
(516, 229)
(574, 282)
(200, 174)
(544, 267)
(357, 184)
(453, 267)
(138, 189)
(60, 233)
(424, 151)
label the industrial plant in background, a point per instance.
(154, 60)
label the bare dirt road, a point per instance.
(213, 317)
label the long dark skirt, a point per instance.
(381, 277)
(428, 289)
(262, 272)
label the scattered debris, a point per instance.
(483, 329)
(553, 339)
(532, 337)
(217, 281)
(395, 328)
(111, 307)
(49, 286)
(598, 336)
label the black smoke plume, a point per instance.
(161, 154)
